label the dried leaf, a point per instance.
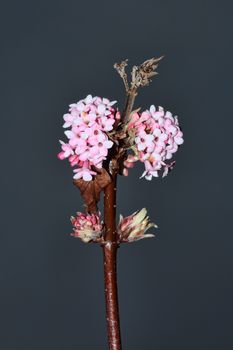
(120, 67)
(141, 74)
(90, 190)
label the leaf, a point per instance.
(90, 190)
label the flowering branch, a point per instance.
(104, 143)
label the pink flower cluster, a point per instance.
(87, 227)
(89, 121)
(157, 137)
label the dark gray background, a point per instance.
(176, 290)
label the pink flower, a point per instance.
(106, 123)
(133, 228)
(151, 169)
(89, 122)
(87, 227)
(68, 118)
(102, 146)
(130, 160)
(157, 137)
(156, 114)
(134, 118)
(66, 151)
(84, 173)
(168, 167)
(78, 143)
(74, 160)
(144, 140)
(129, 163)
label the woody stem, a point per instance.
(110, 266)
(130, 98)
(110, 247)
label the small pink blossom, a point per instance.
(129, 163)
(68, 118)
(168, 167)
(150, 170)
(84, 173)
(74, 160)
(101, 148)
(66, 151)
(144, 140)
(106, 123)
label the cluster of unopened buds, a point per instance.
(133, 227)
(157, 137)
(89, 227)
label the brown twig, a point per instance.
(140, 76)
(110, 265)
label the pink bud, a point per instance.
(61, 156)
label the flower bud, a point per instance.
(87, 227)
(132, 228)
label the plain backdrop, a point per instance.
(175, 290)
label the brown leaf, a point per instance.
(90, 190)
(141, 74)
(120, 67)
